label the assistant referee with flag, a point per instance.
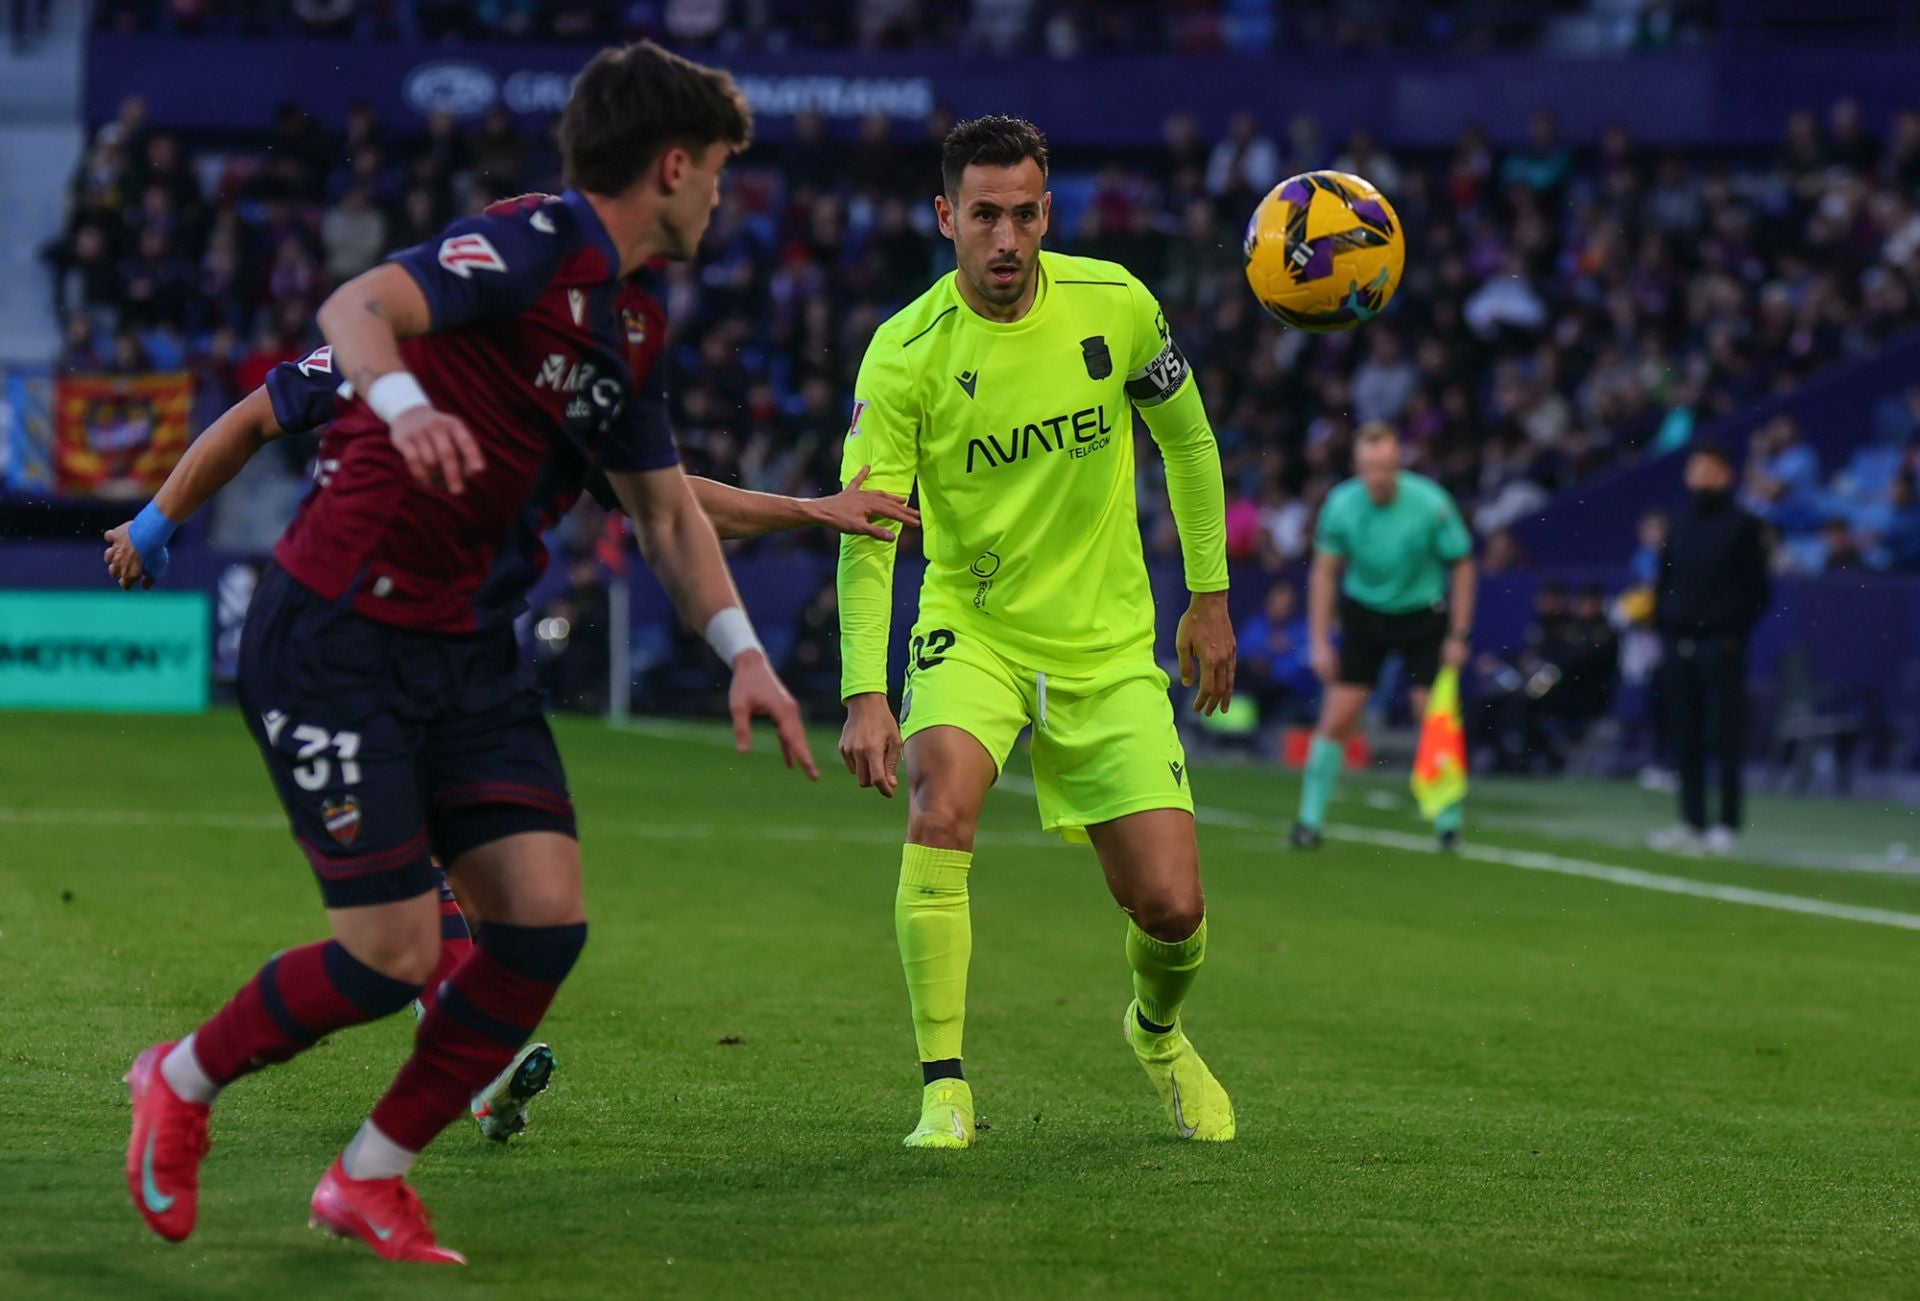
(1391, 547)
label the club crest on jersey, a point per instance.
(320, 360)
(1099, 361)
(635, 324)
(342, 818)
(462, 254)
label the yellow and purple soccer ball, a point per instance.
(1324, 251)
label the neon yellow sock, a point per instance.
(1163, 972)
(933, 923)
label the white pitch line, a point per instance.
(1529, 860)
(1532, 861)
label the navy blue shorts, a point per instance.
(391, 747)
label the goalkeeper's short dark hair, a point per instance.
(631, 104)
(991, 141)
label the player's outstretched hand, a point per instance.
(855, 509)
(1206, 646)
(438, 448)
(757, 693)
(123, 562)
(870, 743)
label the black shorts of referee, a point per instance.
(1368, 636)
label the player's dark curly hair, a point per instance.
(631, 104)
(992, 141)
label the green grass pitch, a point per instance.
(1454, 1077)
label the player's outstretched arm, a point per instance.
(680, 546)
(738, 513)
(1161, 387)
(137, 550)
(364, 320)
(1179, 425)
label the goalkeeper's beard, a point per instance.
(1003, 294)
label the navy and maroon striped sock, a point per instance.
(299, 997)
(487, 1009)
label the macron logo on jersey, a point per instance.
(319, 361)
(463, 253)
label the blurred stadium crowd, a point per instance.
(1563, 310)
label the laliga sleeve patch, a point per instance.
(1160, 378)
(853, 425)
(463, 254)
(318, 362)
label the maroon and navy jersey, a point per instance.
(550, 359)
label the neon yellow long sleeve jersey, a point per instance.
(1020, 438)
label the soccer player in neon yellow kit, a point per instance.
(1006, 391)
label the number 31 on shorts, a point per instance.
(316, 769)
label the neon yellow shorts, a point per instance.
(1103, 747)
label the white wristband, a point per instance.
(731, 635)
(394, 394)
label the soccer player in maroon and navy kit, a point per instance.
(302, 395)
(378, 669)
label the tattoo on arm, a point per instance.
(373, 306)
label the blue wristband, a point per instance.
(149, 533)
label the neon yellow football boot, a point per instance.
(946, 1116)
(1196, 1104)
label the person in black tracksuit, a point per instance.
(1713, 586)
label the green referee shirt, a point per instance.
(1397, 555)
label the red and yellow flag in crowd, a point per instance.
(118, 435)
(1440, 764)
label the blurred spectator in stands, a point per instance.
(293, 278)
(1243, 166)
(1275, 667)
(86, 281)
(79, 354)
(497, 153)
(1503, 553)
(1713, 588)
(1384, 381)
(1469, 170)
(1363, 157)
(354, 235)
(1848, 144)
(1890, 528)
(1589, 665)
(1783, 483)
(269, 348)
(1542, 167)
(1839, 549)
(1645, 563)
(154, 284)
(129, 357)
(162, 166)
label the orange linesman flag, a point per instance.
(118, 435)
(1440, 764)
